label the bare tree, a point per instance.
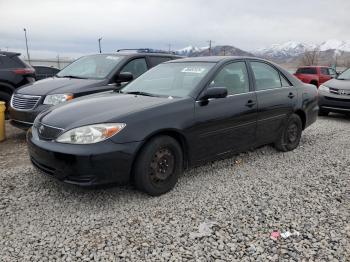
(310, 57)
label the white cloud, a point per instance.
(66, 26)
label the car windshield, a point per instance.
(345, 75)
(93, 66)
(170, 79)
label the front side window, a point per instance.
(170, 79)
(332, 72)
(324, 71)
(136, 67)
(266, 77)
(94, 67)
(234, 77)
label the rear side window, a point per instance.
(307, 71)
(7, 62)
(136, 67)
(266, 77)
(324, 71)
(156, 60)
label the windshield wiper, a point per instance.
(71, 76)
(138, 93)
(343, 78)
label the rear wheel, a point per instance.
(322, 112)
(6, 98)
(158, 166)
(291, 134)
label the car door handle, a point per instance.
(250, 103)
(291, 95)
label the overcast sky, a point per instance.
(72, 27)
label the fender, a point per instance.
(8, 88)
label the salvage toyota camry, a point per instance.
(178, 115)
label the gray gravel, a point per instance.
(238, 201)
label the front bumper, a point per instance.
(84, 165)
(25, 119)
(333, 102)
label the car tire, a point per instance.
(158, 165)
(6, 98)
(323, 112)
(290, 136)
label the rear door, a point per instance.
(324, 75)
(226, 124)
(276, 99)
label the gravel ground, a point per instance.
(223, 211)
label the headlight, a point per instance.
(57, 99)
(323, 88)
(90, 134)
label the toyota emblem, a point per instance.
(342, 92)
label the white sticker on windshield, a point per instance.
(193, 69)
(112, 57)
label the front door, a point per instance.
(226, 124)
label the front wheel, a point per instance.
(291, 134)
(158, 165)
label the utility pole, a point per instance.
(58, 61)
(210, 43)
(224, 50)
(25, 35)
(99, 44)
(169, 48)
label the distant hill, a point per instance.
(222, 50)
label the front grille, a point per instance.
(337, 91)
(24, 102)
(46, 132)
(337, 99)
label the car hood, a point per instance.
(56, 85)
(339, 84)
(101, 108)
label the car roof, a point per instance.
(9, 54)
(131, 54)
(313, 66)
(213, 59)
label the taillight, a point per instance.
(24, 71)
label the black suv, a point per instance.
(13, 73)
(87, 75)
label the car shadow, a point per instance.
(336, 116)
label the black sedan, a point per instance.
(178, 115)
(88, 75)
(334, 95)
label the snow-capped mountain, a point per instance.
(293, 49)
(188, 50)
(334, 44)
(285, 50)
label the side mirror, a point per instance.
(214, 92)
(124, 77)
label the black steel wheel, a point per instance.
(291, 134)
(158, 165)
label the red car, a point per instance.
(315, 75)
